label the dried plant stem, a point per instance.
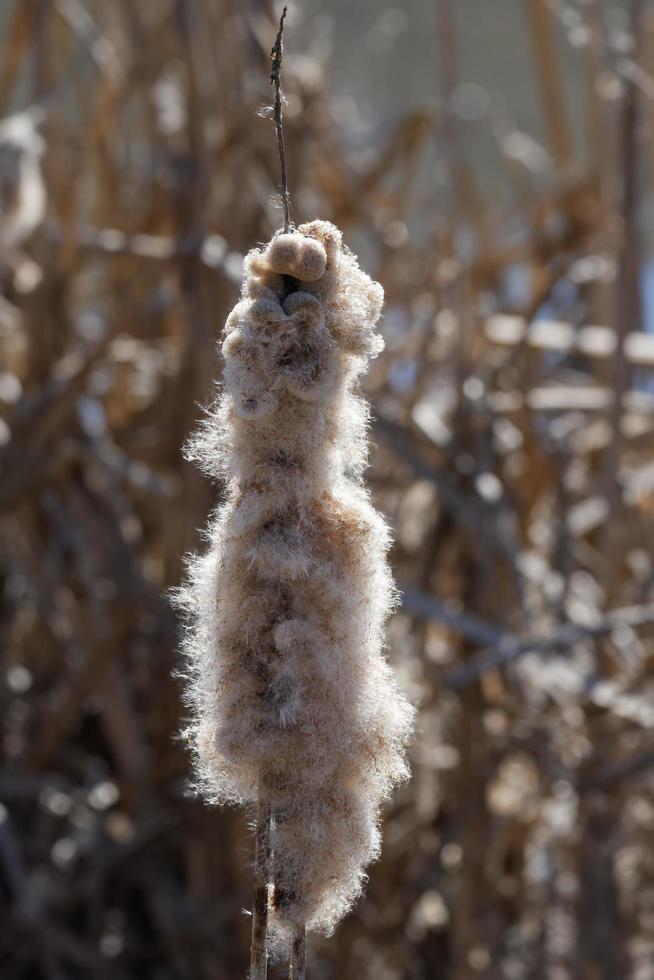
(543, 46)
(466, 200)
(298, 955)
(628, 313)
(276, 56)
(259, 947)
(262, 873)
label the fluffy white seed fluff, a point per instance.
(291, 695)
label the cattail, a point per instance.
(292, 699)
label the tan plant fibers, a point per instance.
(288, 684)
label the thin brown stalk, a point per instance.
(627, 300)
(276, 56)
(549, 75)
(467, 203)
(259, 947)
(298, 955)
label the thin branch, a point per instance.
(259, 947)
(276, 55)
(428, 607)
(511, 647)
(618, 771)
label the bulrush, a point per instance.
(292, 699)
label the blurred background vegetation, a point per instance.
(492, 164)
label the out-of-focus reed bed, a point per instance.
(514, 458)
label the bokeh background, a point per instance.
(491, 162)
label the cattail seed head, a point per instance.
(290, 692)
(298, 256)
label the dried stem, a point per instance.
(628, 314)
(276, 56)
(298, 955)
(259, 947)
(543, 45)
